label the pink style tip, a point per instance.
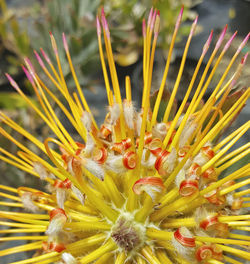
(208, 42)
(65, 44)
(12, 82)
(98, 27)
(29, 66)
(150, 16)
(102, 11)
(196, 19)
(153, 20)
(144, 28)
(53, 42)
(230, 41)
(178, 21)
(194, 25)
(39, 59)
(28, 75)
(157, 25)
(221, 37)
(45, 56)
(243, 43)
(105, 23)
(210, 37)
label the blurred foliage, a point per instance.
(13, 38)
(125, 20)
(12, 101)
(76, 19)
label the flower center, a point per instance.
(128, 234)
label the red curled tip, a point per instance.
(204, 252)
(209, 222)
(57, 212)
(184, 240)
(161, 159)
(100, 155)
(188, 187)
(158, 13)
(208, 152)
(52, 247)
(153, 182)
(130, 160)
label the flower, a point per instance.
(134, 190)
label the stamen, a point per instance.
(178, 79)
(84, 102)
(161, 89)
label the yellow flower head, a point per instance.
(134, 190)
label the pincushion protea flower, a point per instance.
(133, 190)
